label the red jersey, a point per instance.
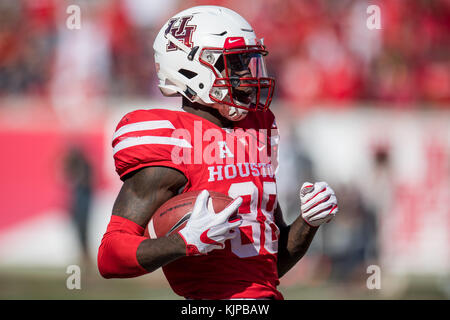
(239, 162)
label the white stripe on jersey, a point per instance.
(144, 125)
(137, 141)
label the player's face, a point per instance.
(242, 69)
(242, 72)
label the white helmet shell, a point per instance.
(180, 56)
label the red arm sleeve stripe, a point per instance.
(117, 252)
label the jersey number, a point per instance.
(258, 232)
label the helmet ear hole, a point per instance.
(187, 73)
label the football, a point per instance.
(172, 216)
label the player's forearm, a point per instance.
(293, 244)
(154, 253)
(124, 252)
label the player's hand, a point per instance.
(207, 230)
(318, 203)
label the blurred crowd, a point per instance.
(320, 51)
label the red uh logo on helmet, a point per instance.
(180, 29)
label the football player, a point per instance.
(211, 57)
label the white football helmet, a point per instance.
(211, 56)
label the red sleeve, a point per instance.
(117, 252)
(145, 138)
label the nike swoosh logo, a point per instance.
(232, 41)
(260, 149)
(205, 239)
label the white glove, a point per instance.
(207, 230)
(318, 203)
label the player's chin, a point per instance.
(230, 112)
(237, 114)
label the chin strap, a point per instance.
(232, 113)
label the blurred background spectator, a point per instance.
(78, 172)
